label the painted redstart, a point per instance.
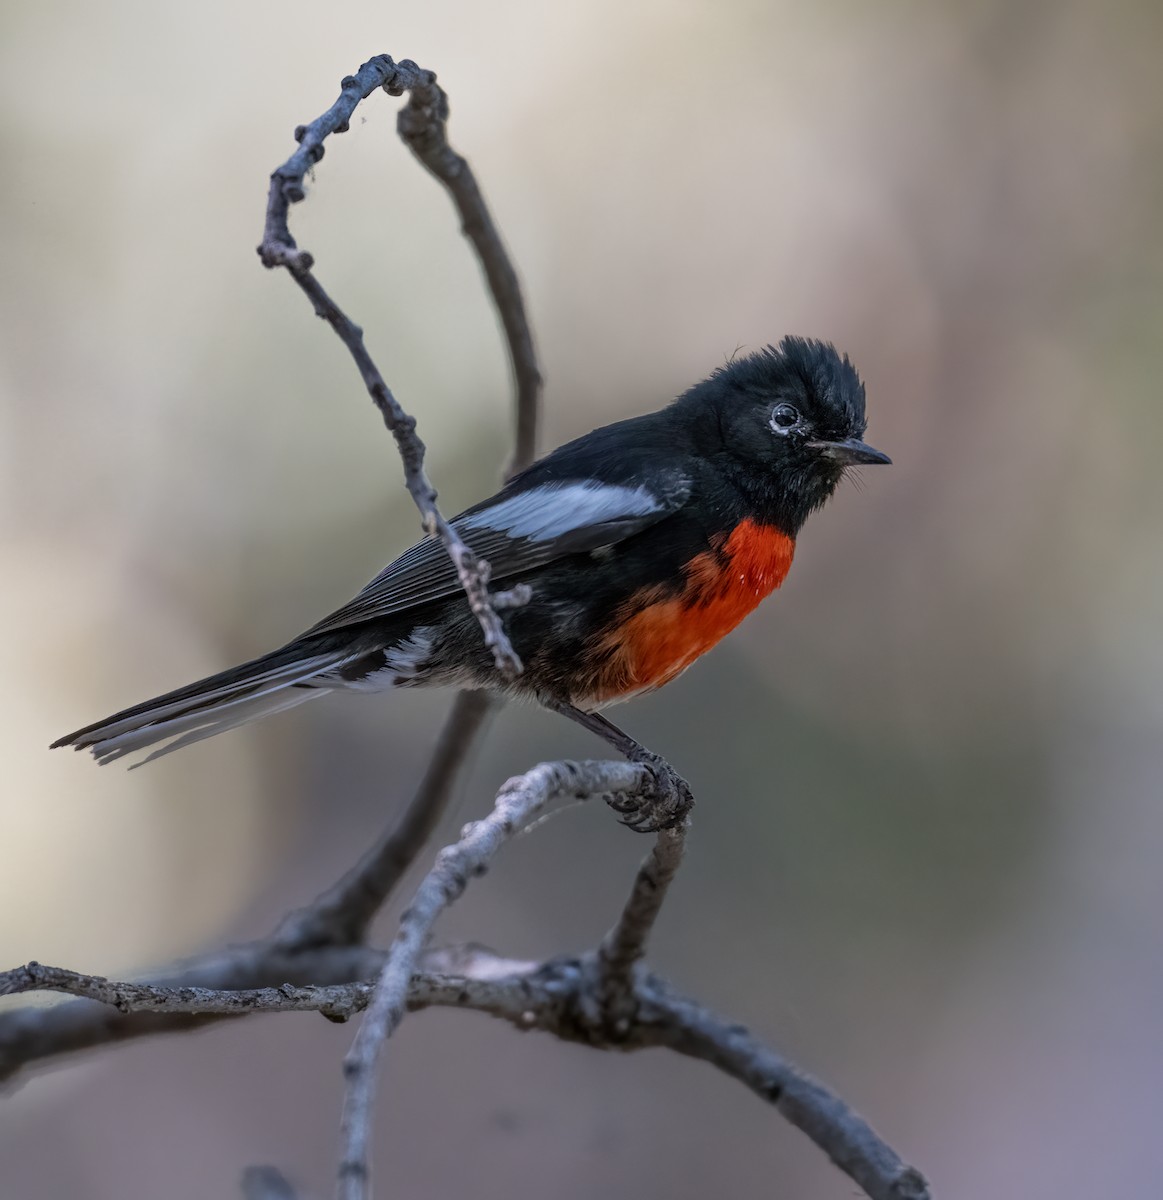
(643, 544)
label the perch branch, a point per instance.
(518, 802)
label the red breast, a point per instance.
(658, 634)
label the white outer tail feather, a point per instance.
(195, 726)
(220, 708)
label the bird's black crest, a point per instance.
(827, 377)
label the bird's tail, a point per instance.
(266, 685)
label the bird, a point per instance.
(639, 545)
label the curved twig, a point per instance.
(423, 127)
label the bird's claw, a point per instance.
(664, 806)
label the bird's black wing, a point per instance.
(540, 517)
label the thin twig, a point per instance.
(33, 1035)
(341, 915)
(517, 803)
(624, 946)
(492, 992)
(278, 249)
(338, 1000)
(847, 1139)
(472, 572)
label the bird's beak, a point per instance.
(850, 453)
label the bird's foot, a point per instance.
(664, 806)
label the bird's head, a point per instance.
(792, 418)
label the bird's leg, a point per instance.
(671, 800)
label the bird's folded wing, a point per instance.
(515, 532)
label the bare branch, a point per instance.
(278, 249)
(518, 802)
(556, 997)
(338, 1001)
(341, 915)
(847, 1139)
(486, 983)
(625, 944)
(31, 1035)
(249, 979)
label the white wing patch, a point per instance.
(553, 510)
(404, 663)
(517, 533)
(407, 659)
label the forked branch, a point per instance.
(518, 802)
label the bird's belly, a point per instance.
(658, 633)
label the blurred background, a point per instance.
(945, 898)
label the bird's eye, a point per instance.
(784, 418)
